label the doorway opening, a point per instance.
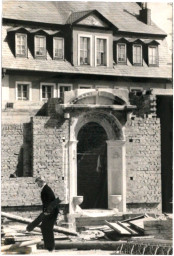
(92, 166)
(165, 113)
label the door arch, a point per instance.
(92, 166)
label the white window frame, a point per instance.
(35, 38)
(90, 44)
(56, 37)
(135, 63)
(107, 49)
(26, 49)
(29, 89)
(63, 85)
(122, 62)
(48, 84)
(157, 57)
(88, 86)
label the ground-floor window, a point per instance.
(63, 88)
(23, 91)
(47, 91)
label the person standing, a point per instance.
(47, 197)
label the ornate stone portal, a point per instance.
(86, 108)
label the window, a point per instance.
(153, 55)
(40, 46)
(101, 52)
(63, 88)
(137, 54)
(84, 51)
(23, 91)
(121, 53)
(47, 91)
(58, 48)
(21, 45)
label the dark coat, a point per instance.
(47, 196)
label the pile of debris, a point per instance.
(139, 235)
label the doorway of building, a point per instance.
(92, 166)
(165, 113)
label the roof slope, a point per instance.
(121, 14)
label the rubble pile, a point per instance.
(139, 235)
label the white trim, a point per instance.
(63, 85)
(26, 47)
(135, 63)
(47, 84)
(102, 86)
(107, 49)
(136, 88)
(124, 62)
(88, 86)
(78, 48)
(165, 92)
(121, 87)
(40, 36)
(56, 37)
(29, 90)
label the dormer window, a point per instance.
(121, 53)
(137, 54)
(40, 46)
(153, 55)
(21, 44)
(58, 48)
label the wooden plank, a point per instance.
(119, 229)
(135, 218)
(127, 227)
(27, 221)
(17, 245)
(139, 224)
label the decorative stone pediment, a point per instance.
(92, 20)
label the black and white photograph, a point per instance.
(86, 127)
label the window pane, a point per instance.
(84, 50)
(137, 58)
(101, 51)
(23, 91)
(153, 55)
(58, 48)
(121, 53)
(40, 46)
(21, 45)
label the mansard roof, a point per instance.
(123, 15)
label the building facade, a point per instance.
(87, 104)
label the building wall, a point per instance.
(10, 93)
(143, 164)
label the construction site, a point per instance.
(87, 128)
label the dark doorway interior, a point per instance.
(165, 113)
(92, 166)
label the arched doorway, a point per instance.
(92, 166)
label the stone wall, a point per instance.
(143, 164)
(50, 138)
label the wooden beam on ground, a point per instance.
(27, 221)
(12, 247)
(87, 245)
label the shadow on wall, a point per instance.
(24, 161)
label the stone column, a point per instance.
(72, 173)
(116, 174)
